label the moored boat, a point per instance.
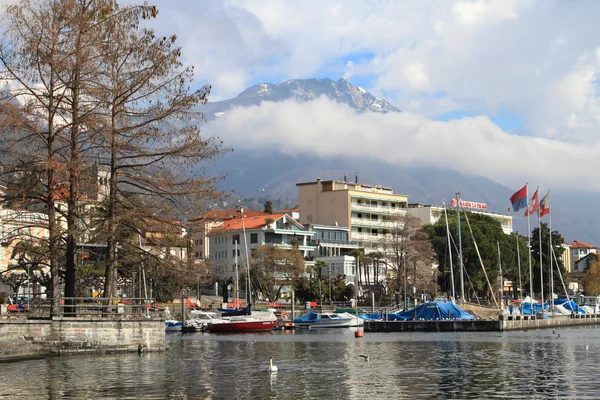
(199, 321)
(328, 320)
(172, 325)
(240, 324)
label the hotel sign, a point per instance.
(470, 204)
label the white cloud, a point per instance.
(470, 145)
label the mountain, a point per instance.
(269, 175)
(341, 91)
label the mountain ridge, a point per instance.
(270, 173)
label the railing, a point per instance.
(373, 222)
(84, 306)
(378, 209)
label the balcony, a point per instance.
(368, 237)
(374, 209)
(373, 223)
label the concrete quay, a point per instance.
(504, 323)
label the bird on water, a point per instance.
(272, 368)
(364, 356)
(555, 333)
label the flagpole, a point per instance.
(529, 252)
(519, 264)
(551, 269)
(540, 240)
(450, 255)
(461, 266)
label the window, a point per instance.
(235, 238)
(254, 238)
(197, 255)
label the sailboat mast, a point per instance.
(500, 272)
(237, 272)
(541, 265)
(460, 254)
(551, 269)
(519, 264)
(529, 253)
(450, 255)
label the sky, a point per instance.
(501, 88)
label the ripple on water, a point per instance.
(326, 364)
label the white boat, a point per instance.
(328, 320)
(199, 321)
(172, 325)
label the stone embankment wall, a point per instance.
(506, 323)
(20, 337)
(522, 322)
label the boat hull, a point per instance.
(173, 326)
(241, 326)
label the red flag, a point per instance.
(545, 205)
(533, 204)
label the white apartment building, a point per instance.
(429, 214)
(367, 210)
(236, 238)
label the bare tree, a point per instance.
(407, 248)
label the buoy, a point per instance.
(272, 368)
(358, 334)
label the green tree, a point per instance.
(557, 242)
(269, 207)
(488, 233)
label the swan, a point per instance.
(364, 356)
(272, 368)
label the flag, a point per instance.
(545, 205)
(519, 199)
(533, 204)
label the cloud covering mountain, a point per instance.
(327, 127)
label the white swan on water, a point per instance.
(272, 368)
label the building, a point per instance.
(429, 214)
(332, 241)
(200, 227)
(576, 257)
(577, 251)
(235, 239)
(367, 210)
(18, 226)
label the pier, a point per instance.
(504, 323)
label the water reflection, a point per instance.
(327, 364)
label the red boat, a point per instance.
(242, 324)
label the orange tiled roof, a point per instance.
(224, 215)
(581, 245)
(248, 223)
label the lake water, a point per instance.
(326, 365)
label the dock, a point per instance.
(503, 323)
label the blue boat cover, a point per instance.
(537, 308)
(225, 312)
(433, 311)
(569, 305)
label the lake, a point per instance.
(320, 364)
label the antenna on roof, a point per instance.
(356, 178)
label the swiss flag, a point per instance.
(545, 205)
(533, 204)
